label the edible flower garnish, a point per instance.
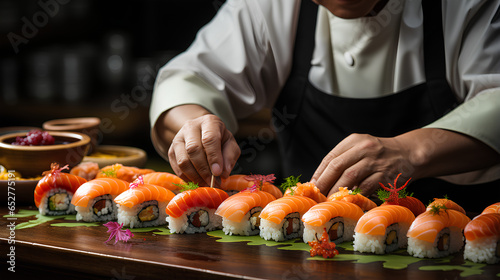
(54, 171)
(260, 180)
(253, 188)
(289, 183)
(323, 247)
(116, 231)
(137, 182)
(394, 194)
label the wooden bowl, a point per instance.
(109, 155)
(32, 161)
(89, 126)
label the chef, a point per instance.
(362, 91)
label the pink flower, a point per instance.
(137, 182)
(116, 231)
(261, 179)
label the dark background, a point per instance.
(79, 58)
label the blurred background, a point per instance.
(89, 58)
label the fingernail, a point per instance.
(216, 170)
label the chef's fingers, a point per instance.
(334, 154)
(212, 132)
(335, 168)
(197, 157)
(230, 152)
(180, 162)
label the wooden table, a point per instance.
(46, 251)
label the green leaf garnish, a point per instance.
(187, 186)
(435, 209)
(109, 173)
(355, 191)
(289, 183)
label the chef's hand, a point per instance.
(362, 161)
(202, 147)
(198, 142)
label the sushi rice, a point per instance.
(147, 214)
(394, 238)
(344, 230)
(451, 238)
(483, 250)
(99, 209)
(249, 225)
(55, 202)
(290, 227)
(195, 220)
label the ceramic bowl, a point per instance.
(89, 126)
(32, 161)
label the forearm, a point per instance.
(436, 152)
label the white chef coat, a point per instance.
(239, 62)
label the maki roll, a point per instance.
(338, 218)
(193, 210)
(240, 212)
(383, 229)
(281, 220)
(94, 199)
(239, 182)
(164, 179)
(353, 196)
(53, 193)
(437, 233)
(306, 189)
(143, 205)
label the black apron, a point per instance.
(318, 121)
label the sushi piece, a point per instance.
(143, 205)
(383, 229)
(94, 200)
(193, 210)
(127, 173)
(398, 196)
(482, 239)
(447, 203)
(281, 220)
(240, 212)
(164, 179)
(493, 208)
(338, 218)
(437, 233)
(306, 189)
(87, 170)
(238, 182)
(54, 191)
(353, 196)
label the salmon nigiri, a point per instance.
(383, 229)
(281, 219)
(239, 182)
(437, 233)
(193, 210)
(54, 191)
(447, 203)
(94, 199)
(353, 197)
(306, 189)
(482, 239)
(164, 179)
(493, 208)
(118, 170)
(338, 218)
(143, 205)
(240, 212)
